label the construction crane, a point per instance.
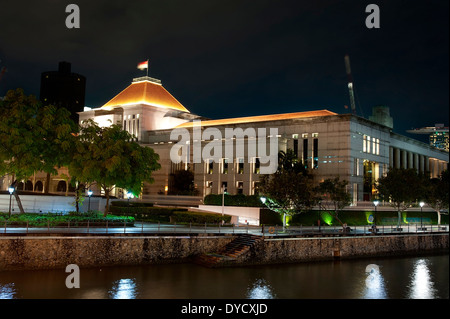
(350, 83)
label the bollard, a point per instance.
(27, 226)
(124, 227)
(106, 226)
(5, 226)
(174, 227)
(219, 228)
(158, 225)
(142, 226)
(88, 227)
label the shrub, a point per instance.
(119, 203)
(151, 214)
(233, 200)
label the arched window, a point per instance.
(20, 186)
(61, 186)
(29, 186)
(38, 187)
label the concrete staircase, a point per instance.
(229, 254)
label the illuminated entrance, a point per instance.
(371, 174)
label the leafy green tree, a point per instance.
(400, 187)
(290, 190)
(437, 194)
(33, 137)
(334, 195)
(182, 183)
(109, 157)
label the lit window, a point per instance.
(378, 146)
(240, 165)
(315, 134)
(224, 165)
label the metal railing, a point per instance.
(143, 227)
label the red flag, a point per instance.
(143, 65)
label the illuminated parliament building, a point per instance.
(354, 148)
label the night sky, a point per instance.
(230, 58)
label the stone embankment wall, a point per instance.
(57, 252)
(326, 248)
(31, 252)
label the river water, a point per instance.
(424, 277)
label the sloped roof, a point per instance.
(148, 91)
(262, 118)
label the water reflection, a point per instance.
(422, 286)
(123, 289)
(7, 291)
(260, 290)
(375, 287)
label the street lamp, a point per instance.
(263, 199)
(89, 194)
(11, 191)
(129, 195)
(376, 204)
(421, 211)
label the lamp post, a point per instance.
(421, 212)
(375, 214)
(129, 195)
(11, 191)
(89, 194)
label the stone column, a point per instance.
(391, 156)
(397, 158)
(416, 162)
(421, 163)
(427, 164)
(404, 160)
(410, 160)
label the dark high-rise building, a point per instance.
(64, 88)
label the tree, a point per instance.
(33, 137)
(182, 183)
(400, 187)
(334, 195)
(290, 190)
(437, 194)
(109, 157)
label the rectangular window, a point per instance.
(365, 143)
(125, 125)
(224, 165)
(240, 165)
(240, 187)
(256, 186)
(296, 148)
(305, 152)
(374, 145)
(378, 147)
(315, 153)
(224, 187)
(256, 165)
(209, 166)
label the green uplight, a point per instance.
(327, 218)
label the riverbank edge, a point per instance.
(52, 252)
